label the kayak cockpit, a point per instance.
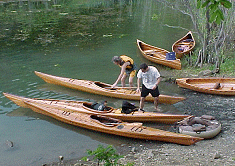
(106, 121)
(97, 107)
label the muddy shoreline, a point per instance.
(216, 151)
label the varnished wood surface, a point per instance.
(100, 88)
(85, 107)
(157, 55)
(112, 126)
(180, 47)
(209, 85)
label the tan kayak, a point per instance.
(85, 107)
(184, 45)
(157, 55)
(112, 126)
(104, 89)
(212, 85)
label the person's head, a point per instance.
(144, 67)
(116, 60)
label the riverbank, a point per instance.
(216, 151)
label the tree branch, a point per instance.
(175, 27)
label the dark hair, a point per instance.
(143, 66)
(116, 59)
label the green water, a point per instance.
(78, 53)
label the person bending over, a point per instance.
(128, 68)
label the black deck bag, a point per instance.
(128, 108)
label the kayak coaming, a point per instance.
(189, 35)
(159, 55)
(131, 130)
(205, 85)
(83, 107)
(104, 89)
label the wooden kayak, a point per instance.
(157, 55)
(85, 107)
(104, 89)
(211, 85)
(184, 45)
(112, 126)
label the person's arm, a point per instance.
(123, 69)
(158, 81)
(138, 84)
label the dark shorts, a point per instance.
(145, 92)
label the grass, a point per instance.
(226, 68)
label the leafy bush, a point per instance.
(107, 155)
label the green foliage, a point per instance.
(216, 14)
(228, 65)
(107, 155)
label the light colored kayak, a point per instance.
(85, 107)
(204, 126)
(104, 89)
(112, 126)
(157, 55)
(211, 85)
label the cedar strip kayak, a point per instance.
(212, 85)
(85, 107)
(157, 55)
(104, 89)
(113, 126)
(184, 45)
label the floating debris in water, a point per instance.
(9, 143)
(61, 158)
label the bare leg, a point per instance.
(131, 81)
(156, 99)
(142, 102)
(123, 80)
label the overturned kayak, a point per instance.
(157, 55)
(113, 126)
(211, 85)
(86, 107)
(104, 89)
(204, 126)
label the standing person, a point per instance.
(150, 80)
(128, 68)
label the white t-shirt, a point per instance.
(150, 77)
